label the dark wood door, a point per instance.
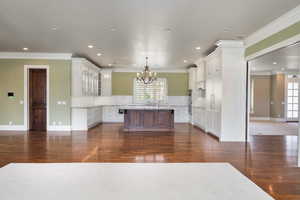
(37, 99)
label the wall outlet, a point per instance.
(10, 123)
(58, 102)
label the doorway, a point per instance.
(37, 99)
(273, 93)
(292, 91)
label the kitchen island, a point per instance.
(148, 118)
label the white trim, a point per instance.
(86, 62)
(268, 119)
(286, 99)
(278, 119)
(260, 73)
(12, 128)
(29, 55)
(284, 21)
(26, 105)
(230, 43)
(58, 128)
(260, 118)
(279, 45)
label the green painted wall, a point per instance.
(276, 38)
(12, 80)
(122, 83)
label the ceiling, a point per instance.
(126, 31)
(285, 59)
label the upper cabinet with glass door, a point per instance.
(86, 78)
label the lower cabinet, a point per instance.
(207, 120)
(84, 118)
(148, 120)
(199, 117)
(94, 116)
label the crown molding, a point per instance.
(282, 22)
(32, 55)
(77, 59)
(230, 43)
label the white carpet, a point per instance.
(94, 181)
(273, 128)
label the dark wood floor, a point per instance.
(269, 161)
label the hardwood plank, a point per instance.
(269, 161)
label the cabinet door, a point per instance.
(202, 118)
(149, 118)
(192, 78)
(217, 123)
(165, 119)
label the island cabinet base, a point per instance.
(148, 120)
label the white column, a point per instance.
(234, 70)
(298, 130)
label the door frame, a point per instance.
(26, 93)
(286, 98)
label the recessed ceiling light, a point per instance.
(113, 29)
(274, 63)
(25, 49)
(185, 61)
(90, 46)
(99, 54)
(167, 29)
(197, 48)
(109, 64)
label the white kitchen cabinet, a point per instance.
(199, 117)
(192, 78)
(84, 118)
(106, 82)
(200, 75)
(226, 91)
(86, 78)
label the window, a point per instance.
(292, 97)
(155, 92)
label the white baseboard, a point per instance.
(12, 128)
(268, 119)
(260, 118)
(278, 119)
(59, 128)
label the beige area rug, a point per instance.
(121, 181)
(273, 128)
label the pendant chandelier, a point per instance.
(146, 76)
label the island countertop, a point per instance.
(148, 118)
(146, 107)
